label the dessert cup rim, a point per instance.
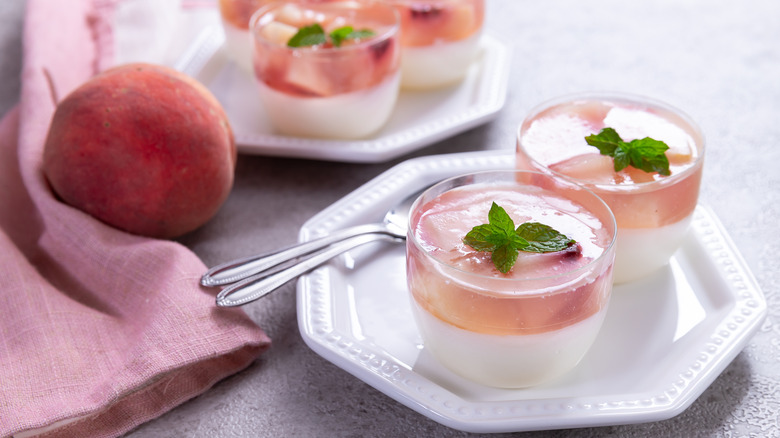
(389, 33)
(610, 224)
(697, 134)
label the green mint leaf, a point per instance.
(607, 141)
(644, 154)
(518, 241)
(487, 238)
(340, 34)
(503, 241)
(649, 155)
(308, 36)
(504, 258)
(314, 35)
(543, 238)
(500, 238)
(348, 33)
(621, 156)
(481, 238)
(361, 34)
(499, 218)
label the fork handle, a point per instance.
(260, 285)
(242, 268)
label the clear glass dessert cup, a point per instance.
(653, 211)
(440, 40)
(327, 90)
(521, 328)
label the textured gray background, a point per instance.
(718, 60)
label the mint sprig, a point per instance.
(308, 36)
(644, 154)
(500, 237)
(315, 35)
(348, 33)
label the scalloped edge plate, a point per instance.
(665, 338)
(419, 118)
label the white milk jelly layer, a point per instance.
(349, 115)
(238, 44)
(641, 251)
(507, 361)
(438, 64)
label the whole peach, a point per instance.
(143, 148)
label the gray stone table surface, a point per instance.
(718, 60)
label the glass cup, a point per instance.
(440, 40)
(535, 322)
(653, 212)
(327, 91)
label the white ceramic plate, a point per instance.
(419, 118)
(665, 339)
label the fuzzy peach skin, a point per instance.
(143, 148)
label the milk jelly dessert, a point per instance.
(510, 274)
(327, 69)
(643, 157)
(440, 40)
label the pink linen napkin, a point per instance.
(100, 330)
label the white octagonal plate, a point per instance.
(665, 338)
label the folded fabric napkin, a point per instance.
(100, 330)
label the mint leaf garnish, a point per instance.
(314, 35)
(542, 238)
(504, 257)
(361, 34)
(308, 36)
(340, 34)
(482, 238)
(337, 36)
(503, 241)
(644, 154)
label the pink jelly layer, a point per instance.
(426, 23)
(329, 71)
(542, 292)
(555, 138)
